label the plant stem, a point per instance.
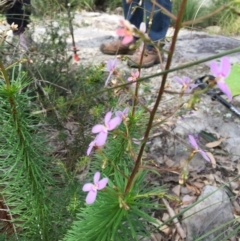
(138, 83)
(5, 76)
(159, 97)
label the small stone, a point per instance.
(90, 14)
(213, 29)
(118, 11)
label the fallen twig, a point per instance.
(175, 220)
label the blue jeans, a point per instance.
(160, 22)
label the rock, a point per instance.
(213, 29)
(118, 11)
(209, 214)
(90, 14)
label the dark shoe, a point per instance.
(150, 58)
(116, 47)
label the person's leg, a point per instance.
(158, 30)
(19, 14)
(133, 12)
(160, 21)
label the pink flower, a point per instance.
(110, 124)
(134, 76)
(221, 72)
(125, 31)
(93, 188)
(122, 114)
(187, 86)
(194, 144)
(111, 67)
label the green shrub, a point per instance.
(193, 9)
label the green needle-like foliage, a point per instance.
(24, 178)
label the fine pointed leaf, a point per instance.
(131, 226)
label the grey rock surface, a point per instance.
(209, 214)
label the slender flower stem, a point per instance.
(138, 83)
(141, 60)
(159, 97)
(165, 11)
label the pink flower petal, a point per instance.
(179, 80)
(127, 39)
(186, 80)
(193, 142)
(191, 87)
(214, 69)
(118, 113)
(204, 155)
(102, 183)
(224, 88)
(113, 123)
(114, 63)
(101, 138)
(98, 128)
(125, 111)
(225, 66)
(108, 78)
(121, 32)
(137, 73)
(111, 65)
(91, 197)
(90, 147)
(130, 79)
(122, 22)
(107, 118)
(96, 178)
(143, 27)
(87, 187)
